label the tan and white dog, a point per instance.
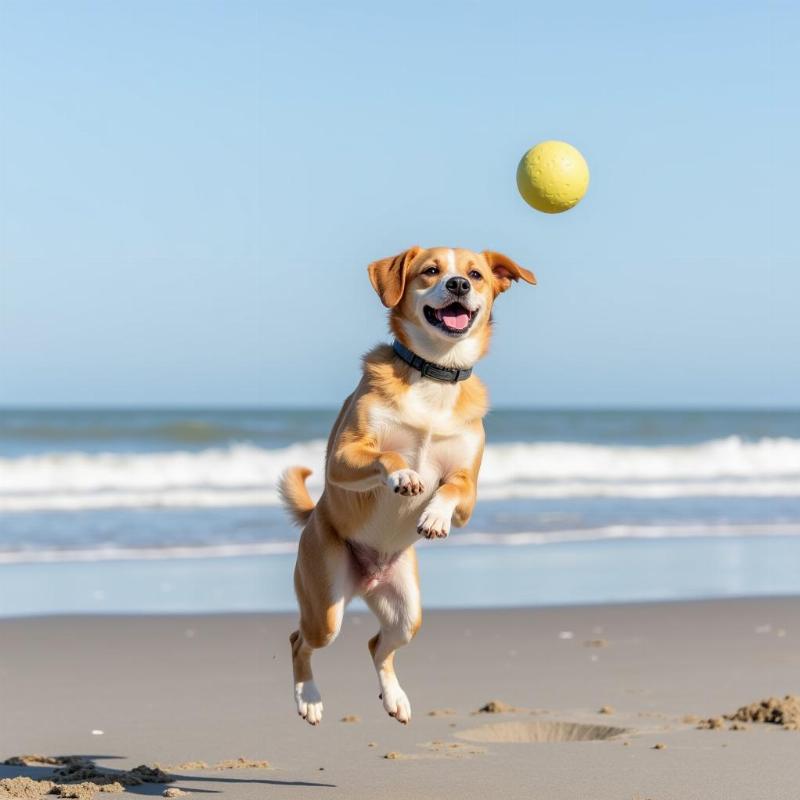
(402, 459)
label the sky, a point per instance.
(190, 193)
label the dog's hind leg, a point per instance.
(396, 604)
(323, 587)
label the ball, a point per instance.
(552, 177)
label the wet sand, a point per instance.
(608, 703)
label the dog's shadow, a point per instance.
(154, 789)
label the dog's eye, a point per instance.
(431, 271)
(475, 275)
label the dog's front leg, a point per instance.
(358, 465)
(451, 504)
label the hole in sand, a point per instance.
(540, 732)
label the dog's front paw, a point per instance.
(309, 702)
(434, 522)
(405, 482)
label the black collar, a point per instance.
(429, 369)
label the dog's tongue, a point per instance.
(455, 317)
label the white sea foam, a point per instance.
(459, 539)
(246, 475)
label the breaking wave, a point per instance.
(246, 475)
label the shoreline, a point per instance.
(177, 689)
(466, 576)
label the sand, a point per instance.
(496, 707)
(228, 763)
(214, 708)
(773, 710)
(74, 776)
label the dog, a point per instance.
(402, 460)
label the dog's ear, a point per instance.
(388, 276)
(505, 270)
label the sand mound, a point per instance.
(711, 724)
(240, 763)
(29, 789)
(25, 788)
(77, 769)
(540, 732)
(772, 710)
(33, 761)
(88, 789)
(74, 777)
(220, 766)
(496, 707)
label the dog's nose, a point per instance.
(458, 286)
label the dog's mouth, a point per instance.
(453, 319)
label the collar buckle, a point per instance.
(425, 370)
(428, 369)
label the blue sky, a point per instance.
(190, 193)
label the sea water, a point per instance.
(177, 510)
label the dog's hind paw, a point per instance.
(396, 703)
(309, 702)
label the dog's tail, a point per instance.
(295, 496)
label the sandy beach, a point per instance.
(192, 694)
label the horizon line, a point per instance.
(610, 407)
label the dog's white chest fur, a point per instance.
(425, 431)
(434, 442)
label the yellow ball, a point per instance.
(552, 177)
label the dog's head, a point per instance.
(440, 299)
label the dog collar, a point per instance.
(429, 369)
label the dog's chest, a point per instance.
(424, 428)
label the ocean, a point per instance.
(160, 491)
